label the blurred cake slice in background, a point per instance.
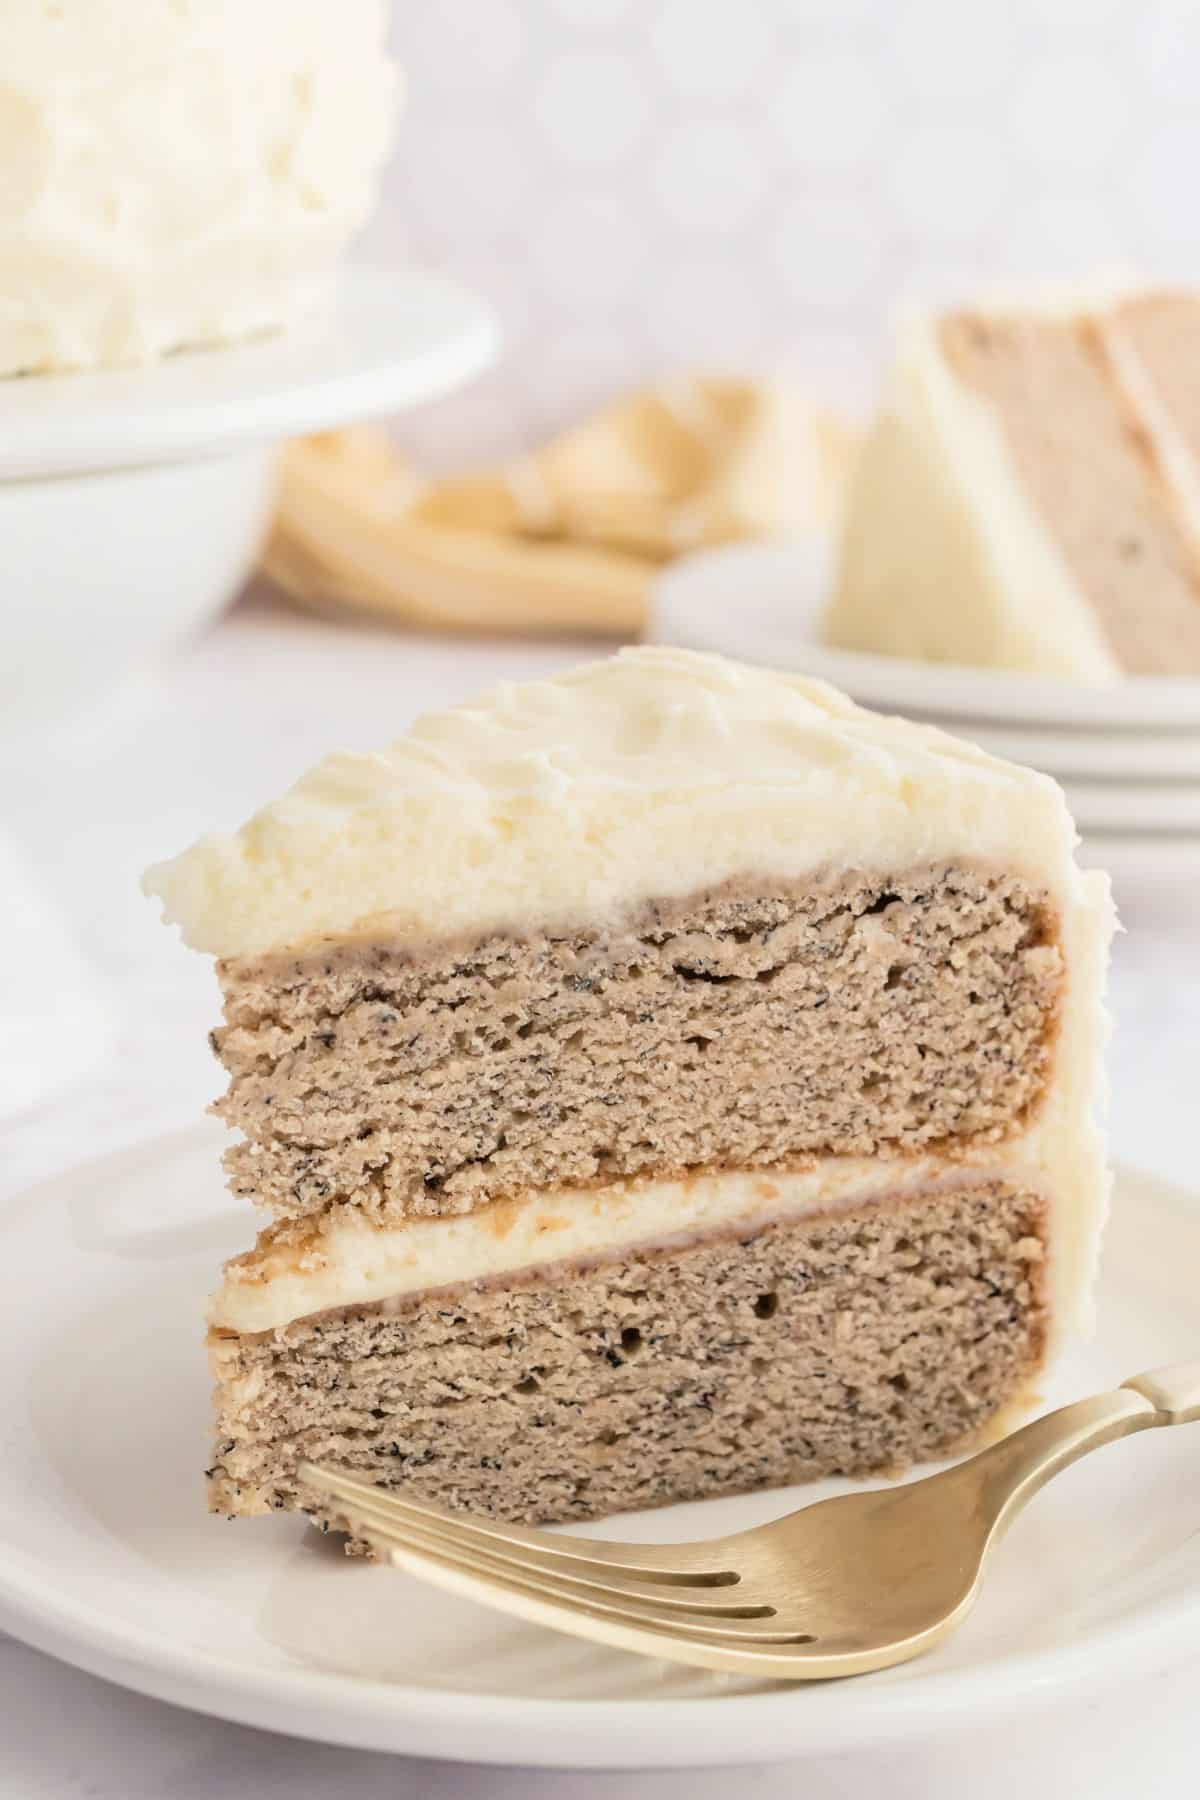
(1030, 496)
(176, 176)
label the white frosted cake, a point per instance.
(180, 174)
(664, 1080)
(1030, 496)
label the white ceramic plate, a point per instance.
(1163, 865)
(1133, 756)
(107, 1560)
(1135, 806)
(396, 339)
(762, 601)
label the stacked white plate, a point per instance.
(1126, 755)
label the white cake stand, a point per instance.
(394, 340)
(132, 506)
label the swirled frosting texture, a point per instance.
(179, 174)
(654, 773)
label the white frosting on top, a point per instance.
(179, 174)
(653, 773)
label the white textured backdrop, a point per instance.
(641, 184)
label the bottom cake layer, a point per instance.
(845, 1343)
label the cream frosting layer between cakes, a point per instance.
(655, 773)
(354, 1262)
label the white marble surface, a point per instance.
(241, 714)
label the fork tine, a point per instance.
(541, 1550)
(682, 1602)
(551, 1600)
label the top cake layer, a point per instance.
(177, 175)
(658, 772)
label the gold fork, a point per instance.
(840, 1587)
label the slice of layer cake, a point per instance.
(665, 1080)
(1030, 496)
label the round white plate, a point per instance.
(107, 1560)
(1117, 755)
(396, 339)
(762, 602)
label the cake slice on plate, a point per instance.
(1029, 498)
(663, 1081)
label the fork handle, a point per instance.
(1174, 1392)
(1012, 1471)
